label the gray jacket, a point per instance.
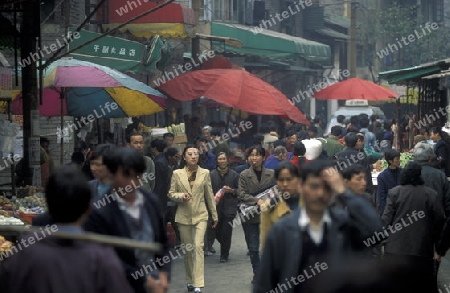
(249, 187)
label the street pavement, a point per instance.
(235, 275)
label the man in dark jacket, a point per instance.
(435, 179)
(133, 213)
(162, 174)
(442, 150)
(354, 154)
(62, 265)
(389, 178)
(300, 245)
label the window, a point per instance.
(231, 10)
(47, 7)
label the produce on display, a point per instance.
(404, 159)
(10, 221)
(176, 129)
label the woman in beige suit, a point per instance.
(191, 188)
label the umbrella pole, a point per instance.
(61, 97)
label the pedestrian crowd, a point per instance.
(312, 218)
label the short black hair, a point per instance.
(133, 133)
(314, 168)
(200, 138)
(68, 194)
(412, 174)
(259, 150)
(293, 170)
(168, 134)
(77, 158)
(351, 139)
(159, 144)
(390, 154)
(352, 129)
(435, 130)
(336, 130)
(364, 122)
(290, 132)
(354, 120)
(352, 170)
(258, 139)
(312, 128)
(216, 132)
(299, 149)
(278, 143)
(340, 118)
(171, 152)
(102, 150)
(301, 135)
(128, 159)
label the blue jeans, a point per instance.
(251, 232)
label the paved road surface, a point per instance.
(235, 276)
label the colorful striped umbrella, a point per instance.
(86, 87)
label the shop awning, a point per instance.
(117, 53)
(328, 32)
(267, 43)
(171, 21)
(416, 72)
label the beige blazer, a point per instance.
(196, 209)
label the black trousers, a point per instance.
(224, 231)
(170, 217)
(210, 235)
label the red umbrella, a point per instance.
(355, 89)
(219, 62)
(233, 88)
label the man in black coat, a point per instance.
(312, 239)
(133, 213)
(162, 173)
(354, 154)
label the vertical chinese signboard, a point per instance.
(5, 82)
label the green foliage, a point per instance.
(377, 29)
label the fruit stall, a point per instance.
(381, 165)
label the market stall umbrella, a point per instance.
(80, 88)
(233, 88)
(355, 89)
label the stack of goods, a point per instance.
(177, 130)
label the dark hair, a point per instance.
(351, 139)
(314, 168)
(364, 122)
(128, 159)
(258, 139)
(168, 134)
(278, 143)
(299, 149)
(340, 118)
(188, 146)
(279, 151)
(316, 120)
(352, 129)
(159, 144)
(77, 158)
(390, 154)
(200, 138)
(435, 130)
(171, 152)
(134, 133)
(259, 150)
(354, 120)
(102, 150)
(68, 194)
(360, 136)
(215, 132)
(353, 169)
(293, 170)
(220, 154)
(312, 128)
(301, 135)
(412, 174)
(290, 132)
(336, 130)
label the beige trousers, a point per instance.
(194, 264)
